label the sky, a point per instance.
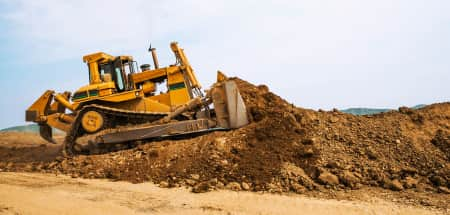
(315, 54)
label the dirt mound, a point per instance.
(24, 147)
(284, 149)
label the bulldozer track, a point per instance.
(125, 116)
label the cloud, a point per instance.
(315, 53)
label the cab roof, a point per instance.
(103, 57)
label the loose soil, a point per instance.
(285, 149)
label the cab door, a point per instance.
(120, 79)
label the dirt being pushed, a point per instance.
(284, 149)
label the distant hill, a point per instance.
(419, 106)
(369, 111)
(32, 128)
(364, 111)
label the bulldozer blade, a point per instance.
(46, 133)
(229, 106)
(41, 107)
(152, 131)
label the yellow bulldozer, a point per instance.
(121, 105)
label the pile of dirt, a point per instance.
(285, 149)
(26, 147)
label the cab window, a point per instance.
(105, 69)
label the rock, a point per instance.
(294, 173)
(405, 110)
(220, 185)
(306, 152)
(348, 178)
(301, 131)
(64, 164)
(195, 176)
(213, 182)
(40, 166)
(409, 170)
(263, 88)
(394, 185)
(357, 174)
(138, 155)
(233, 186)
(153, 153)
(190, 182)
(91, 174)
(443, 189)
(333, 119)
(309, 141)
(372, 155)
(28, 167)
(410, 182)
(201, 187)
(52, 165)
(245, 186)
(220, 143)
(357, 186)
(289, 170)
(164, 184)
(438, 180)
(328, 178)
(398, 141)
(421, 187)
(214, 157)
(442, 141)
(274, 188)
(290, 119)
(333, 165)
(296, 187)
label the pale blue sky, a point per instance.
(316, 54)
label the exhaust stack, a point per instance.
(154, 56)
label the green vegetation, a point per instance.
(32, 128)
(364, 111)
(370, 111)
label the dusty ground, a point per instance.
(36, 193)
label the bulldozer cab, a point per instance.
(118, 71)
(105, 68)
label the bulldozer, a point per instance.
(124, 105)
